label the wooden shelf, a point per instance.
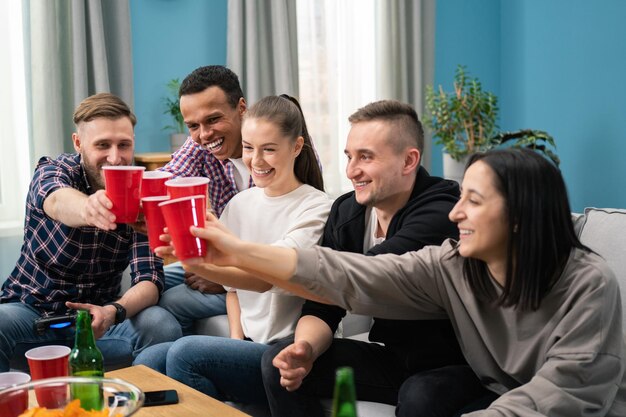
(152, 160)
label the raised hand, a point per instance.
(294, 363)
(97, 211)
(223, 247)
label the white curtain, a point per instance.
(54, 54)
(14, 161)
(352, 52)
(335, 41)
(74, 49)
(262, 47)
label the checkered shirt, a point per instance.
(59, 263)
(191, 160)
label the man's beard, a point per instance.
(94, 176)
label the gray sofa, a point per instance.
(602, 230)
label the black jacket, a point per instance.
(421, 222)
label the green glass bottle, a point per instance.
(86, 360)
(344, 397)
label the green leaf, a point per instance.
(172, 107)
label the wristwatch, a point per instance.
(120, 312)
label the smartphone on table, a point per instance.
(164, 397)
(151, 398)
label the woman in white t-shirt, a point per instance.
(288, 208)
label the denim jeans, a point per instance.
(381, 375)
(174, 275)
(223, 368)
(119, 345)
(186, 304)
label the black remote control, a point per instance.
(42, 324)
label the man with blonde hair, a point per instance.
(74, 253)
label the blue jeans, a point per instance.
(174, 275)
(225, 369)
(119, 345)
(186, 304)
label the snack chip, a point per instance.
(73, 409)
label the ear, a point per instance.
(242, 106)
(299, 145)
(411, 161)
(76, 142)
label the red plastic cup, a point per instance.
(153, 183)
(123, 187)
(180, 214)
(187, 186)
(48, 362)
(14, 403)
(154, 219)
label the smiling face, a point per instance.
(103, 142)
(481, 218)
(213, 123)
(377, 170)
(270, 157)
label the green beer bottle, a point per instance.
(86, 360)
(344, 397)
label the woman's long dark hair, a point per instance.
(540, 228)
(284, 111)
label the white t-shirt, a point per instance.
(293, 220)
(241, 174)
(371, 227)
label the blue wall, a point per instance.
(563, 70)
(467, 32)
(559, 66)
(170, 39)
(555, 65)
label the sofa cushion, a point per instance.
(364, 408)
(355, 324)
(213, 326)
(604, 231)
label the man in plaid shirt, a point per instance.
(74, 253)
(212, 105)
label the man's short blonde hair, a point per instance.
(407, 129)
(102, 105)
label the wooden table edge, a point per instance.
(192, 402)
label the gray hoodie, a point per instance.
(565, 359)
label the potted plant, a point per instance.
(537, 140)
(172, 107)
(464, 122)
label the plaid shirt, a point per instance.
(59, 263)
(191, 160)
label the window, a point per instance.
(337, 71)
(14, 136)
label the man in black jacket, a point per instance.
(396, 207)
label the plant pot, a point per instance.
(177, 140)
(452, 169)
